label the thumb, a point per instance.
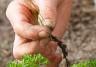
(43, 34)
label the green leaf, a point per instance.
(87, 63)
(29, 61)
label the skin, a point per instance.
(32, 38)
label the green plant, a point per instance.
(29, 61)
(87, 63)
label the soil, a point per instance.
(80, 37)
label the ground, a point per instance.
(80, 37)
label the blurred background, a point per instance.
(80, 36)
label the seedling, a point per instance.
(87, 63)
(29, 61)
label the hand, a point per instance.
(29, 37)
(32, 47)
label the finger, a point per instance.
(53, 46)
(21, 19)
(24, 46)
(54, 61)
(53, 57)
(44, 42)
(43, 34)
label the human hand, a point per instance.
(29, 37)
